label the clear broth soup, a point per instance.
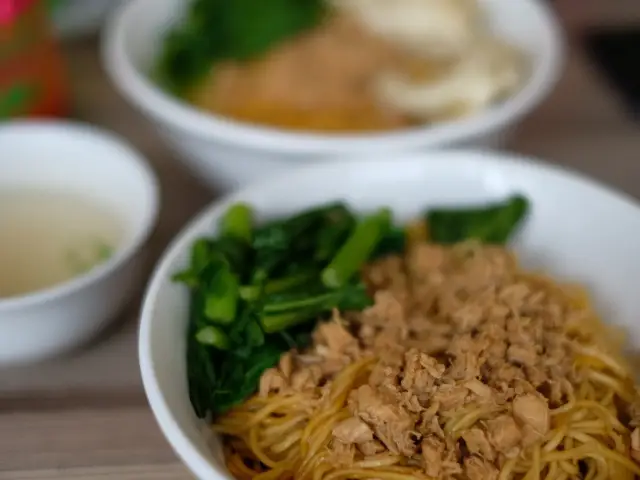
(49, 238)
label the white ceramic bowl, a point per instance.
(226, 154)
(77, 18)
(578, 230)
(89, 164)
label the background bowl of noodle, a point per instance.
(578, 231)
(227, 153)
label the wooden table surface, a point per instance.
(85, 416)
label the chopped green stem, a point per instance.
(282, 321)
(357, 249)
(222, 300)
(324, 300)
(278, 285)
(200, 254)
(238, 222)
(214, 337)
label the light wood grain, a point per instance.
(85, 416)
(134, 472)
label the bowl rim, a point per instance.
(165, 418)
(124, 253)
(179, 115)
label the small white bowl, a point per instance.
(90, 164)
(578, 230)
(226, 154)
(79, 18)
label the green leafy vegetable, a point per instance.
(257, 292)
(222, 296)
(201, 257)
(218, 30)
(393, 242)
(338, 225)
(280, 312)
(201, 376)
(357, 249)
(237, 222)
(253, 292)
(294, 241)
(213, 336)
(493, 224)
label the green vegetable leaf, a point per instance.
(201, 376)
(283, 311)
(222, 296)
(201, 258)
(220, 30)
(254, 334)
(293, 241)
(255, 26)
(339, 224)
(244, 377)
(394, 242)
(213, 336)
(237, 223)
(492, 224)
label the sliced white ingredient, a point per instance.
(490, 71)
(434, 28)
(482, 69)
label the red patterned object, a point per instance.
(11, 9)
(32, 76)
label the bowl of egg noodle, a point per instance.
(425, 316)
(239, 99)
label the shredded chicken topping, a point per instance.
(471, 356)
